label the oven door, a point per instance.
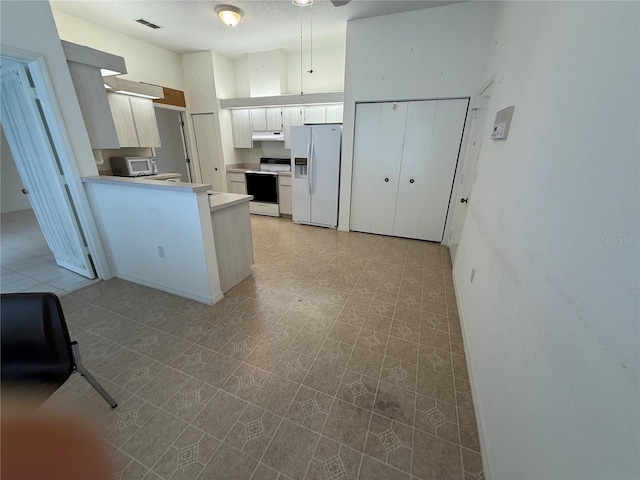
(263, 186)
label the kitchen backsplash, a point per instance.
(268, 149)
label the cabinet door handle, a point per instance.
(386, 179)
(411, 181)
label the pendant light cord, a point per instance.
(301, 67)
(311, 39)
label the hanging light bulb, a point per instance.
(302, 3)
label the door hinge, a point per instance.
(34, 93)
(188, 160)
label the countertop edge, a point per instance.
(142, 183)
(220, 201)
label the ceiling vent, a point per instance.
(146, 23)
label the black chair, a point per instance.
(36, 348)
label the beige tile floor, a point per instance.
(340, 357)
(26, 262)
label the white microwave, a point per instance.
(133, 166)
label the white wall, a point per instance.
(145, 62)
(551, 321)
(328, 76)
(328, 71)
(224, 73)
(242, 76)
(211, 76)
(29, 26)
(267, 73)
(432, 53)
(11, 189)
(134, 221)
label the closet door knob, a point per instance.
(464, 200)
(386, 179)
(411, 181)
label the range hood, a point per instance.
(268, 136)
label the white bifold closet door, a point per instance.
(377, 154)
(405, 156)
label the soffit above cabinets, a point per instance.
(283, 100)
(108, 63)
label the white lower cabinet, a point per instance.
(405, 157)
(236, 183)
(284, 194)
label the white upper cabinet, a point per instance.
(274, 118)
(291, 117)
(135, 121)
(265, 118)
(258, 117)
(249, 120)
(144, 117)
(123, 120)
(334, 113)
(315, 114)
(89, 87)
(241, 128)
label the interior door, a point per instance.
(207, 147)
(468, 176)
(413, 195)
(441, 167)
(325, 174)
(384, 189)
(365, 151)
(38, 163)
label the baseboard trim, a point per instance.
(484, 445)
(174, 291)
(343, 229)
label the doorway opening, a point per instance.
(470, 169)
(44, 246)
(174, 155)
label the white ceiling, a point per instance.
(191, 26)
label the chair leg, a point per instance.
(92, 381)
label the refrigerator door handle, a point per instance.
(311, 189)
(309, 166)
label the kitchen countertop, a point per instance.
(242, 167)
(220, 200)
(146, 182)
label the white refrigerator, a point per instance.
(315, 174)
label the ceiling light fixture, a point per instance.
(302, 3)
(229, 14)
